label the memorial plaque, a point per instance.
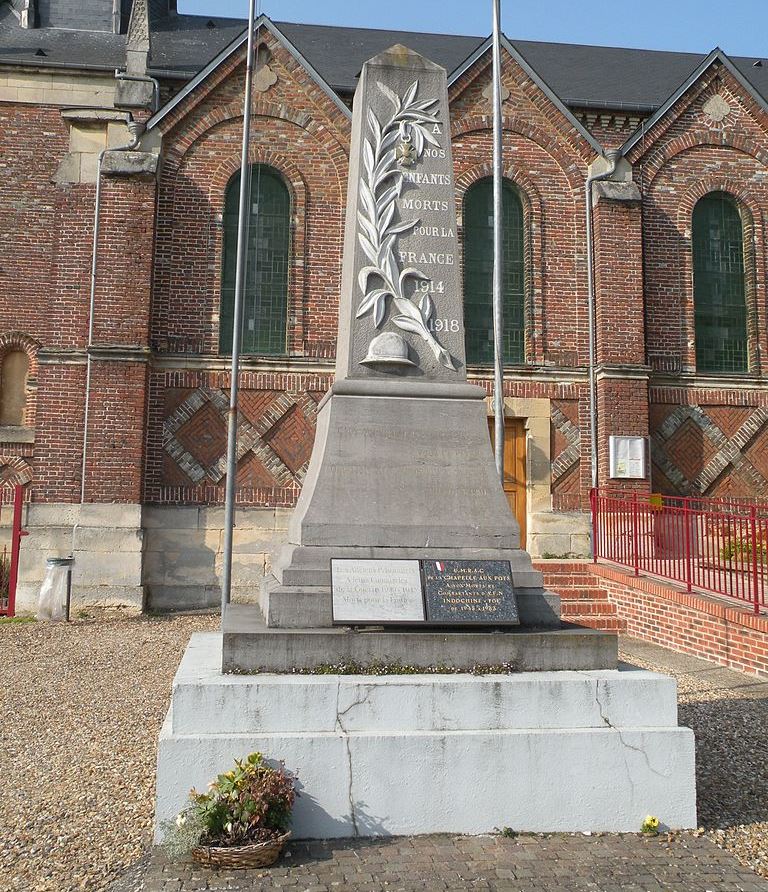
(469, 592)
(376, 592)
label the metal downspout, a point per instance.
(613, 159)
(135, 129)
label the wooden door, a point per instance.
(514, 469)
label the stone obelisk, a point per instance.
(402, 465)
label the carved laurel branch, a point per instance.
(380, 188)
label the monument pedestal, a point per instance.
(595, 750)
(402, 468)
(250, 646)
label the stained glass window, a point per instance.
(478, 273)
(718, 286)
(265, 296)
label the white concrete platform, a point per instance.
(400, 755)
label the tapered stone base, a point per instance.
(398, 470)
(391, 755)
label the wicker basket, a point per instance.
(257, 854)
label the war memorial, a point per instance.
(403, 556)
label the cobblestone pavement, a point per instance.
(556, 863)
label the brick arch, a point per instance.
(297, 190)
(740, 194)
(696, 139)
(532, 219)
(753, 241)
(259, 108)
(18, 341)
(524, 128)
(14, 471)
(230, 165)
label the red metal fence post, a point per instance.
(753, 539)
(635, 534)
(687, 531)
(593, 503)
(18, 504)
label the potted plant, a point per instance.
(242, 821)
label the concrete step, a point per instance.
(249, 646)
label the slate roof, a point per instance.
(582, 76)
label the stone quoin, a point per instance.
(132, 476)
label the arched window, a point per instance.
(719, 292)
(478, 273)
(13, 388)
(265, 297)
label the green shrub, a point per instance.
(741, 549)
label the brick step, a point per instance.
(557, 567)
(587, 608)
(563, 579)
(603, 623)
(567, 591)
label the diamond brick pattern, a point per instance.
(172, 473)
(204, 435)
(292, 438)
(686, 449)
(694, 455)
(729, 419)
(275, 436)
(567, 439)
(252, 473)
(254, 403)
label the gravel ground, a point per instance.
(728, 712)
(82, 706)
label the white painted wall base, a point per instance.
(395, 755)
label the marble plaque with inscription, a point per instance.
(469, 592)
(376, 591)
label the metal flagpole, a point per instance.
(237, 322)
(498, 310)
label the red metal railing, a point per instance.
(9, 563)
(717, 545)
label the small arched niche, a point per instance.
(14, 372)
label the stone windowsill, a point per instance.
(14, 434)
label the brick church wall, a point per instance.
(157, 426)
